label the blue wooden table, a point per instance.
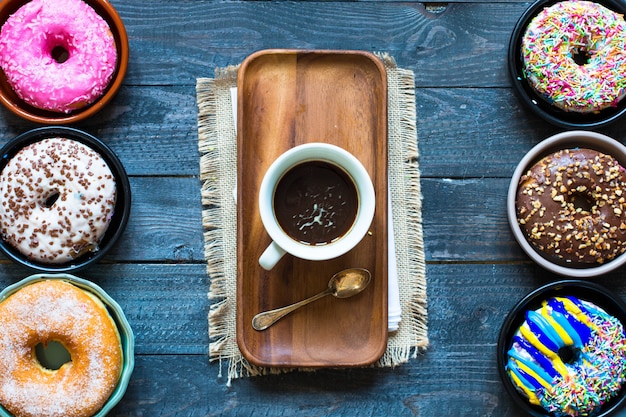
(472, 132)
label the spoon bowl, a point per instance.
(349, 282)
(343, 284)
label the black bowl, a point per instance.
(533, 100)
(584, 290)
(122, 204)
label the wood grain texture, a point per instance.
(457, 376)
(462, 43)
(165, 223)
(472, 132)
(166, 305)
(288, 98)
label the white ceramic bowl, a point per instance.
(565, 140)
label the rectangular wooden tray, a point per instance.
(287, 98)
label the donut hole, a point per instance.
(569, 354)
(580, 56)
(52, 355)
(60, 54)
(581, 202)
(51, 199)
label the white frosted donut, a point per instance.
(32, 42)
(574, 55)
(57, 311)
(58, 197)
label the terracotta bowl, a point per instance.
(584, 290)
(532, 100)
(122, 204)
(127, 337)
(565, 140)
(16, 105)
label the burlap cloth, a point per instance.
(218, 165)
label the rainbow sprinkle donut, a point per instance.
(574, 56)
(569, 357)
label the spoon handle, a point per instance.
(264, 320)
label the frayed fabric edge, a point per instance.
(219, 348)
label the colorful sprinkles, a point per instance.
(591, 372)
(574, 55)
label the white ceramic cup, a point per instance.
(282, 243)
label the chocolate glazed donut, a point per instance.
(571, 206)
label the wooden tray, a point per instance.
(287, 98)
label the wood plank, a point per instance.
(464, 220)
(187, 386)
(173, 385)
(479, 132)
(462, 132)
(166, 305)
(487, 126)
(152, 130)
(457, 375)
(463, 44)
(474, 133)
(165, 223)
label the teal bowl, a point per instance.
(127, 336)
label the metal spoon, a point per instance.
(343, 284)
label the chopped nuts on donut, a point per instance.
(571, 207)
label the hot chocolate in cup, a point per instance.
(316, 201)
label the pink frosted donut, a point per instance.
(58, 55)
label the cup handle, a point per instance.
(271, 256)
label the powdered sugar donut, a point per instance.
(58, 55)
(574, 56)
(55, 310)
(57, 200)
